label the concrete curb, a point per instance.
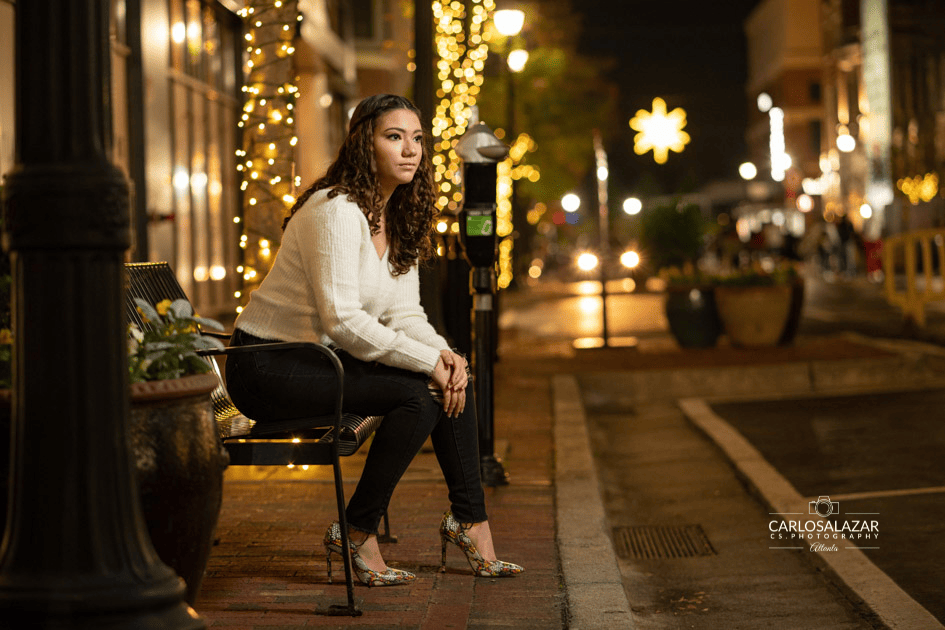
(596, 597)
(852, 568)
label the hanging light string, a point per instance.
(267, 159)
(460, 62)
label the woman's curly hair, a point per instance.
(410, 209)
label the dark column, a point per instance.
(75, 553)
(423, 49)
(433, 276)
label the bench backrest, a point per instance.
(153, 282)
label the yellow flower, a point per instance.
(161, 307)
(144, 318)
(6, 337)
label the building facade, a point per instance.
(886, 65)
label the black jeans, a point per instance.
(279, 385)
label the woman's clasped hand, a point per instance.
(451, 377)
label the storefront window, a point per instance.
(203, 116)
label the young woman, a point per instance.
(346, 275)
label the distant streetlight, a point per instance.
(747, 170)
(570, 202)
(587, 261)
(630, 259)
(765, 102)
(659, 131)
(517, 60)
(509, 22)
(805, 203)
(632, 205)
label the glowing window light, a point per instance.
(776, 143)
(179, 32)
(181, 179)
(846, 142)
(659, 131)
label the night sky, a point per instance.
(692, 54)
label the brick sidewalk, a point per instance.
(269, 568)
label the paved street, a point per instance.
(872, 452)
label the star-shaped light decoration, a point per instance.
(659, 131)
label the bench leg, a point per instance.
(385, 536)
(351, 608)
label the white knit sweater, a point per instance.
(328, 285)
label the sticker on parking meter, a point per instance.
(479, 225)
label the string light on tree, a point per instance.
(508, 170)
(267, 159)
(659, 131)
(461, 57)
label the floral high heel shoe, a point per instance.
(367, 576)
(453, 531)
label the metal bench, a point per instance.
(270, 444)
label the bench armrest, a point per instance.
(294, 345)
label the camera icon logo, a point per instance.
(823, 506)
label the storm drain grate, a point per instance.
(658, 541)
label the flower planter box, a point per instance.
(753, 316)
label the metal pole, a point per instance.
(75, 553)
(604, 231)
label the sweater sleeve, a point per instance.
(406, 314)
(331, 264)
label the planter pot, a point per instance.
(179, 462)
(692, 316)
(753, 315)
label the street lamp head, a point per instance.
(587, 261)
(509, 22)
(570, 202)
(747, 170)
(632, 205)
(517, 60)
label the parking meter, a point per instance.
(481, 151)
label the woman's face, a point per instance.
(398, 148)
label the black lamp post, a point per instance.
(75, 552)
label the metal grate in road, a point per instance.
(660, 541)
